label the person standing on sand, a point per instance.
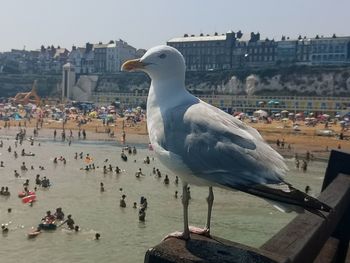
(54, 134)
(84, 134)
(307, 156)
(123, 137)
(304, 166)
(278, 143)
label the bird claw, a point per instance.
(178, 235)
(186, 236)
(200, 231)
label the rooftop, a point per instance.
(197, 38)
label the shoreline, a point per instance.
(141, 140)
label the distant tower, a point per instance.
(68, 81)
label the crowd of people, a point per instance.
(57, 219)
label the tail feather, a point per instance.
(288, 195)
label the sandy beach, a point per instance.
(300, 142)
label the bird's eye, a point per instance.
(162, 56)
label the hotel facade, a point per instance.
(233, 51)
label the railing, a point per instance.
(308, 238)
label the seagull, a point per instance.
(206, 146)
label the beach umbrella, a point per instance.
(325, 115)
(337, 116)
(290, 114)
(285, 119)
(260, 113)
(284, 111)
(93, 114)
(110, 117)
(278, 114)
(273, 102)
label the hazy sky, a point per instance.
(146, 23)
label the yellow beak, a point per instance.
(132, 65)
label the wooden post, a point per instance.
(339, 162)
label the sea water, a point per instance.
(236, 216)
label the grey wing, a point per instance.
(219, 148)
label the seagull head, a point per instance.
(160, 62)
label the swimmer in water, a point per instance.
(166, 179)
(122, 202)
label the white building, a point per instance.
(75, 57)
(117, 53)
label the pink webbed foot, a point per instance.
(200, 231)
(179, 235)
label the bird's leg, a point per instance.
(185, 202)
(206, 230)
(210, 201)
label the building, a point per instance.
(259, 53)
(286, 51)
(235, 50)
(303, 51)
(100, 57)
(117, 53)
(206, 52)
(330, 50)
(75, 57)
(88, 60)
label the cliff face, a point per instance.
(302, 82)
(321, 84)
(297, 81)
